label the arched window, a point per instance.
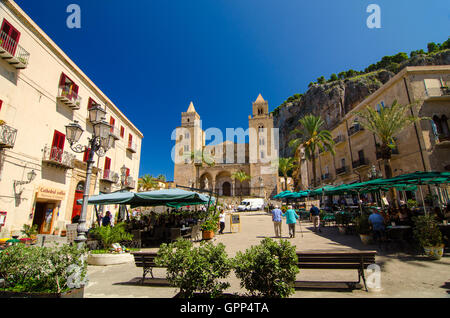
(80, 186)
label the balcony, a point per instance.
(342, 170)
(68, 97)
(109, 176)
(56, 157)
(438, 93)
(12, 52)
(132, 147)
(339, 139)
(354, 129)
(7, 136)
(130, 183)
(361, 162)
(443, 141)
(393, 152)
(115, 132)
(326, 176)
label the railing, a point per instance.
(7, 44)
(109, 175)
(130, 182)
(341, 170)
(7, 136)
(355, 129)
(437, 91)
(339, 139)
(394, 151)
(58, 156)
(69, 97)
(115, 132)
(132, 146)
(360, 162)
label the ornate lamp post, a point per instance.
(100, 143)
(372, 174)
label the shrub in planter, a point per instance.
(268, 269)
(195, 269)
(34, 269)
(107, 235)
(427, 233)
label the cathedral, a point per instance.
(212, 167)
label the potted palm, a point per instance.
(30, 232)
(363, 229)
(427, 233)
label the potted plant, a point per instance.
(43, 272)
(209, 227)
(196, 271)
(109, 251)
(30, 232)
(56, 231)
(427, 233)
(268, 269)
(362, 227)
(411, 204)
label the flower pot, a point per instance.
(207, 235)
(366, 239)
(109, 259)
(434, 252)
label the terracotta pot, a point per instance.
(207, 235)
(434, 252)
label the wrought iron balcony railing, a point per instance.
(326, 176)
(11, 51)
(443, 91)
(342, 170)
(115, 132)
(69, 97)
(355, 129)
(339, 139)
(110, 176)
(7, 136)
(361, 162)
(58, 157)
(132, 147)
(130, 183)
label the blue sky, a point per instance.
(153, 57)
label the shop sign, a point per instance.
(50, 193)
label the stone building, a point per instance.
(258, 158)
(41, 91)
(424, 146)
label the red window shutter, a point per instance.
(128, 172)
(1, 103)
(57, 146)
(62, 80)
(112, 121)
(13, 35)
(130, 140)
(107, 167)
(122, 130)
(91, 103)
(86, 155)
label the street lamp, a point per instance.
(100, 143)
(123, 176)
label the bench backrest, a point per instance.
(330, 260)
(144, 259)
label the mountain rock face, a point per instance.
(333, 100)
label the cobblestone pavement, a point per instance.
(402, 275)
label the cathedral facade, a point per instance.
(213, 166)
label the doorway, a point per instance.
(226, 189)
(43, 217)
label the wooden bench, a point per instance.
(335, 259)
(146, 260)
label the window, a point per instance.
(91, 103)
(107, 167)
(186, 135)
(343, 162)
(10, 37)
(1, 103)
(130, 140)
(57, 146)
(86, 155)
(122, 131)
(112, 121)
(69, 88)
(262, 154)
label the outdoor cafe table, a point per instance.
(397, 233)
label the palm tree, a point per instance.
(284, 166)
(312, 138)
(386, 123)
(147, 183)
(241, 176)
(161, 177)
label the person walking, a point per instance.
(315, 216)
(291, 219)
(222, 216)
(276, 218)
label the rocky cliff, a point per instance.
(333, 100)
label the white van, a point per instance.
(251, 205)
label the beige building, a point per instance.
(424, 146)
(41, 91)
(258, 158)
